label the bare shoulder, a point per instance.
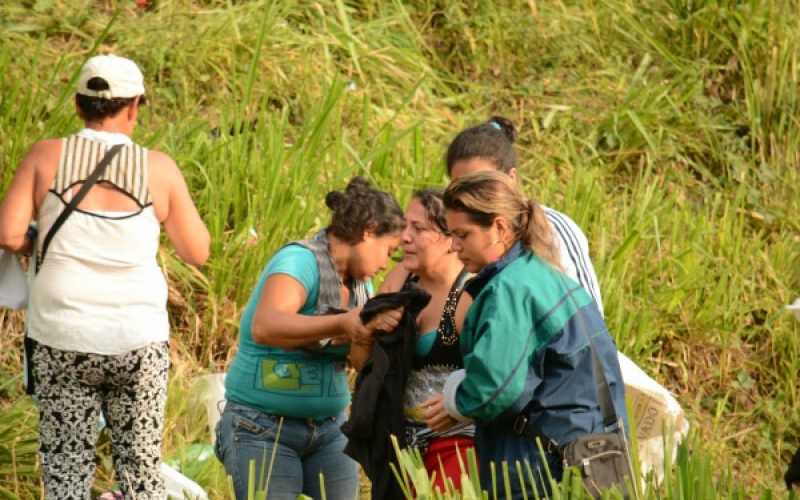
(161, 159)
(162, 166)
(464, 302)
(46, 145)
(42, 162)
(43, 152)
(393, 281)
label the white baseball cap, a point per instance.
(122, 75)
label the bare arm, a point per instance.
(184, 227)
(394, 280)
(17, 207)
(464, 301)
(278, 323)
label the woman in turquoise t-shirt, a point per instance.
(286, 389)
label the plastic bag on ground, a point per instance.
(655, 412)
(210, 392)
(179, 486)
(795, 308)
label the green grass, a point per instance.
(668, 129)
(689, 476)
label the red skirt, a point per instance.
(443, 454)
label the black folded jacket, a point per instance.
(377, 410)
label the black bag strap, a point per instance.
(603, 390)
(73, 204)
(605, 400)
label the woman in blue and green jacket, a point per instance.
(525, 340)
(287, 389)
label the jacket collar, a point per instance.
(476, 284)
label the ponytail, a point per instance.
(538, 235)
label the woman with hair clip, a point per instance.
(525, 339)
(431, 264)
(490, 146)
(287, 387)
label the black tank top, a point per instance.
(445, 350)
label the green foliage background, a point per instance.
(668, 129)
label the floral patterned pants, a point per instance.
(72, 389)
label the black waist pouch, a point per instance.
(602, 460)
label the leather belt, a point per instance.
(522, 426)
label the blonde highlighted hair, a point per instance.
(489, 194)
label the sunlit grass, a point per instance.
(666, 128)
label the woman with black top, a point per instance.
(432, 265)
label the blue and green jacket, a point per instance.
(526, 350)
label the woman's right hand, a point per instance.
(356, 331)
(359, 333)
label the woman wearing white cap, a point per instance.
(97, 319)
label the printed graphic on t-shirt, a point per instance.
(300, 378)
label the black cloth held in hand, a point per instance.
(377, 410)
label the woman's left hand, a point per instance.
(436, 416)
(386, 321)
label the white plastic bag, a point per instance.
(210, 392)
(655, 412)
(421, 386)
(179, 486)
(13, 282)
(795, 308)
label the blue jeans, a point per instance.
(305, 449)
(498, 444)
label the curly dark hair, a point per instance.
(99, 108)
(432, 202)
(361, 208)
(492, 140)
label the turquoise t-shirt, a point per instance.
(291, 383)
